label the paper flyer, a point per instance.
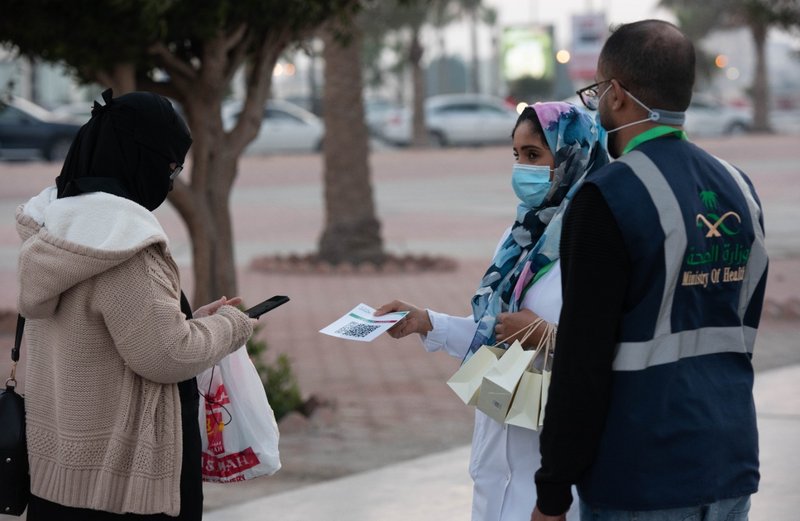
(361, 324)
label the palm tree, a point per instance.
(352, 231)
(697, 19)
(476, 12)
(404, 20)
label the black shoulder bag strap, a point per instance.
(15, 351)
(15, 485)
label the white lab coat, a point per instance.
(504, 457)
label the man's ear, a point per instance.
(618, 95)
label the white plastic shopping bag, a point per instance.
(237, 425)
(467, 380)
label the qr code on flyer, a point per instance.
(356, 330)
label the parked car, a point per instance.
(708, 117)
(79, 112)
(285, 127)
(377, 111)
(456, 119)
(28, 131)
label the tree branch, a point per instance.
(171, 63)
(215, 60)
(236, 57)
(183, 200)
(258, 83)
(235, 37)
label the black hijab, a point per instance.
(125, 149)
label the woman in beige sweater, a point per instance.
(111, 357)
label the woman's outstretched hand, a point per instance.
(417, 320)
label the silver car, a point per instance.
(708, 117)
(456, 119)
(285, 127)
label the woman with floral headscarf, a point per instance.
(555, 145)
(111, 397)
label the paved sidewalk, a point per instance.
(387, 405)
(438, 487)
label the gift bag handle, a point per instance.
(15, 352)
(546, 341)
(530, 329)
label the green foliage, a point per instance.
(697, 19)
(278, 379)
(96, 35)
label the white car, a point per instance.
(285, 127)
(456, 119)
(377, 111)
(707, 117)
(78, 112)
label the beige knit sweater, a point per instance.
(106, 344)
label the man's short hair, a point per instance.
(654, 61)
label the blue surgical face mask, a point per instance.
(602, 133)
(531, 183)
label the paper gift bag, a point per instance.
(545, 386)
(500, 382)
(467, 380)
(527, 406)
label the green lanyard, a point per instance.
(654, 133)
(539, 274)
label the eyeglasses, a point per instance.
(175, 171)
(590, 96)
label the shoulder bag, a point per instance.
(15, 484)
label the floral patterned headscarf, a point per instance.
(533, 244)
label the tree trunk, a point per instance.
(204, 204)
(352, 231)
(419, 134)
(760, 79)
(313, 87)
(441, 70)
(473, 43)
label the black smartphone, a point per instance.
(271, 303)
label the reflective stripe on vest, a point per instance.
(635, 356)
(667, 347)
(758, 258)
(669, 212)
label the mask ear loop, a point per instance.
(667, 117)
